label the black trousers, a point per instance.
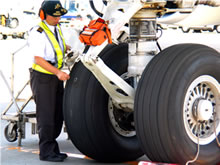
(48, 96)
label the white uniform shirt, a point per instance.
(40, 45)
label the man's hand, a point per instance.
(68, 48)
(47, 66)
(62, 76)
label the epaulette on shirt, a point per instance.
(40, 30)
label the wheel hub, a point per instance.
(203, 110)
(122, 119)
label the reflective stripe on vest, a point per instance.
(59, 54)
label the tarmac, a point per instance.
(27, 154)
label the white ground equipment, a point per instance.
(127, 99)
(17, 120)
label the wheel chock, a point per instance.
(154, 163)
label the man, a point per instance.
(48, 47)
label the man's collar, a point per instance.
(49, 26)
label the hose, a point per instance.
(94, 8)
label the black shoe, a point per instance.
(62, 155)
(54, 158)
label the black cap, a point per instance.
(53, 8)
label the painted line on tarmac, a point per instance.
(36, 151)
(21, 149)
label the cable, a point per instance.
(215, 130)
(159, 29)
(158, 45)
(94, 9)
(198, 146)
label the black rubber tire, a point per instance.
(86, 112)
(11, 137)
(5, 36)
(159, 103)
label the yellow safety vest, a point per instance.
(59, 54)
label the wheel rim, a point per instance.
(122, 121)
(201, 110)
(12, 136)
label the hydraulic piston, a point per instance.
(142, 41)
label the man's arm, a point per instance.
(47, 66)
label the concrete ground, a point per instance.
(27, 154)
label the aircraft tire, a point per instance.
(86, 112)
(174, 83)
